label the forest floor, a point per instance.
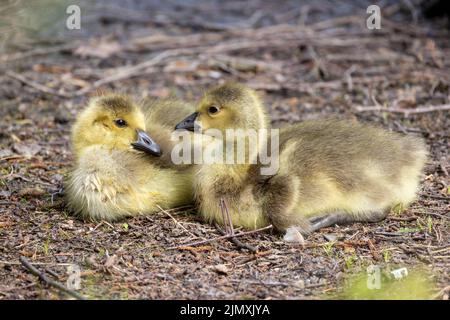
(310, 61)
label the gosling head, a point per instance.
(229, 106)
(115, 122)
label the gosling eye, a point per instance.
(120, 123)
(212, 110)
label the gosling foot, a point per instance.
(342, 218)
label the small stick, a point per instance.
(221, 237)
(36, 85)
(35, 52)
(444, 170)
(434, 197)
(436, 215)
(441, 293)
(128, 72)
(227, 221)
(225, 224)
(27, 264)
(373, 250)
(17, 263)
(57, 193)
(405, 111)
(176, 221)
(230, 222)
(237, 242)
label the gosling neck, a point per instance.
(237, 163)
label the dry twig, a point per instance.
(27, 264)
(221, 238)
(443, 107)
(237, 242)
(36, 85)
(176, 221)
(228, 223)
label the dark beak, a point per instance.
(146, 144)
(188, 123)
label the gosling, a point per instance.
(116, 173)
(330, 171)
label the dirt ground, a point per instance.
(312, 60)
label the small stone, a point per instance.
(57, 178)
(330, 237)
(280, 78)
(300, 284)
(91, 260)
(215, 74)
(294, 236)
(220, 269)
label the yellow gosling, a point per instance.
(116, 172)
(330, 171)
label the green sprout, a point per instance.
(328, 248)
(387, 255)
